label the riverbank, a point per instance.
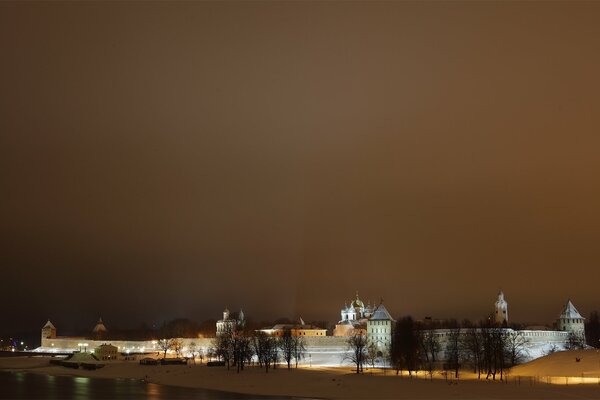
(329, 383)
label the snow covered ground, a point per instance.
(340, 382)
(564, 367)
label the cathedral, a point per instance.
(354, 318)
(230, 323)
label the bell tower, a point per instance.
(501, 310)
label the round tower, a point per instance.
(501, 310)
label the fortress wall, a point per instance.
(317, 343)
(320, 350)
(545, 336)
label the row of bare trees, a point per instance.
(177, 345)
(238, 348)
(485, 347)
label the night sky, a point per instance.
(162, 160)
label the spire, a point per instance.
(302, 321)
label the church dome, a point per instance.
(357, 303)
(99, 327)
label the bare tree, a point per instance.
(472, 343)
(178, 347)
(516, 347)
(299, 349)
(575, 341)
(286, 344)
(241, 349)
(592, 330)
(165, 345)
(429, 347)
(453, 349)
(265, 347)
(372, 354)
(494, 349)
(404, 351)
(357, 350)
(194, 350)
(223, 348)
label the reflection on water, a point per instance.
(81, 388)
(154, 391)
(21, 385)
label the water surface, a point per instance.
(25, 385)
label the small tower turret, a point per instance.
(501, 310)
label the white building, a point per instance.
(380, 327)
(230, 324)
(501, 310)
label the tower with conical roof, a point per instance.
(501, 310)
(570, 320)
(48, 333)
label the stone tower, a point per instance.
(501, 310)
(570, 320)
(379, 329)
(48, 332)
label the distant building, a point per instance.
(570, 320)
(99, 327)
(106, 352)
(501, 310)
(229, 323)
(299, 329)
(99, 332)
(380, 327)
(48, 332)
(354, 318)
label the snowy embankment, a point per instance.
(579, 366)
(328, 383)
